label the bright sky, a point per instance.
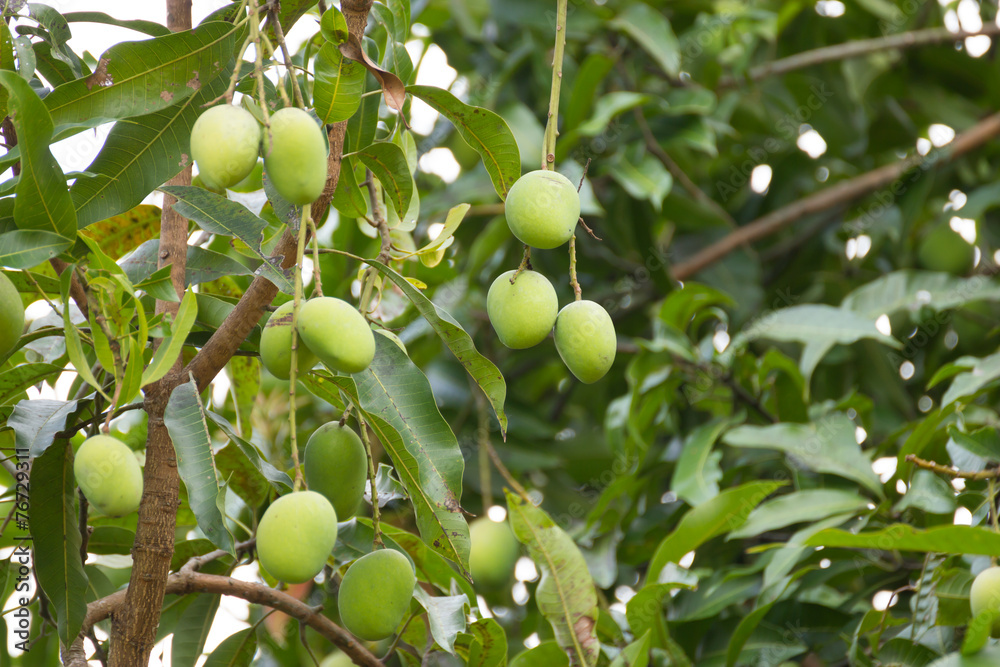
(75, 153)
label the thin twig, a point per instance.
(376, 512)
(836, 195)
(855, 49)
(552, 124)
(653, 146)
(279, 34)
(577, 292)
(933, 466)
(505, 472)
(294, 362)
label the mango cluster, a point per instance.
(226, 140)
(331, 330)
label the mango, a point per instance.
(109, 475)
(337, 333)
(586, 341)
(944, 249)
(375, 594)
(11, 316)
(225, 141)
(542, 209)
(276, 345)
(985, 595)
(494, 552)
(336, 466)
(522, 314)
(295, 156)
(296, 535)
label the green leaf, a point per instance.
(185, 421)
(388, 163)
(170, 348)
(814, 323)
(24, 249)
(645, 178)
(607, 107)
(218, 215)
(984, 442)
(827, 446)
(192, 630)
(14, 381)
(645, 614)
(565, 594)
(150, 28)
(903, 537)
(339, 85)
(446, 616)
(36, 422)
(111, 540)
(928, 492)
(241, 475)
(397, 400)
(726, 512)
(546, 654)
(236, 650)
(482, 370)
(635, 654)
(482, 129)
(988, 657)
(41, 202)
(431, 566)
(140, 154)
(652, 31)
(74, 349)
(966, 385)
(910, 291)
(55, 533)
(697, 474)
(978, 633)
(798, 507)
(484, 644)
(143, 77)
(203, 265)
(279, 480)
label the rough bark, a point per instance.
(133, 629)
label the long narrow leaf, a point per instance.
(565, 593)
(170, 349)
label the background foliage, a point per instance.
(734, 492)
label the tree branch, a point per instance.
(836, 195)
(933, 466)
(854, 49)
(133, 630)
(191, 581)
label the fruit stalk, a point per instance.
(279, 34)
(258, 73)
(572, 268)
(293, 370)
(376, 514)
(551, 127)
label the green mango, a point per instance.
(522, 314)
(542, 209)
(494, 552)
(225, 141)
(276, 345)
(296, 535)
(109, 475)
(295, 156)
(337, 333)
(586, 341)
(375, 594)
(336, 466)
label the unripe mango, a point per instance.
(522, 314)
(336, 466)
(276, 345)
(225, 141)
(586, 341)
(336, 333)
(296, 535)
(494, 552)
(985, 595)
(295, 156)
(11, 315)
(375, 594)
(109, 475)
(542, 209)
